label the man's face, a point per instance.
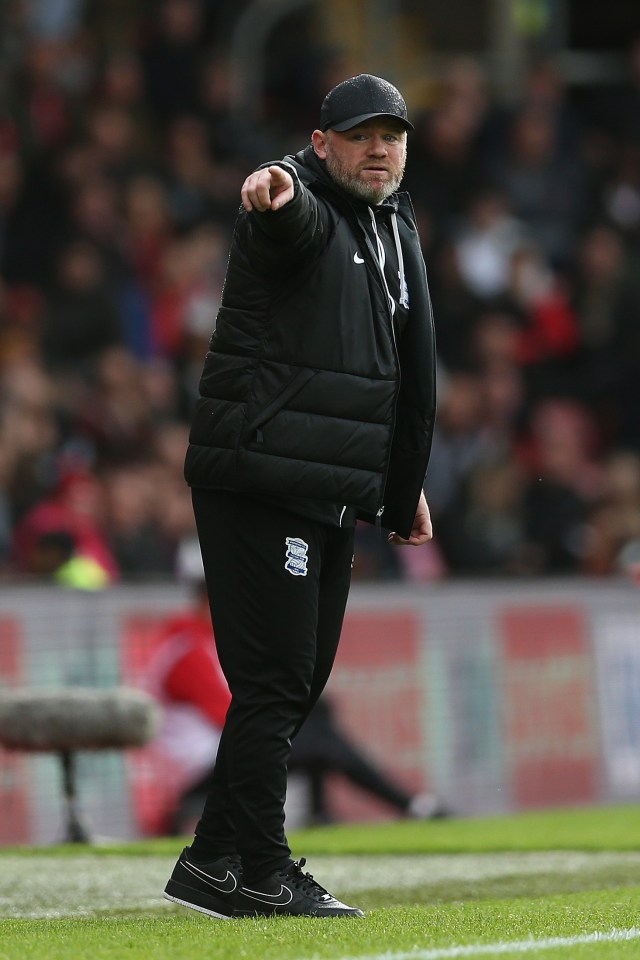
(368, 160)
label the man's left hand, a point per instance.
(421, 532)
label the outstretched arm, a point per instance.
(421, 531)
(280, 215)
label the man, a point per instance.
(185, 676)
(304, 425)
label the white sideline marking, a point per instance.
(504, 946)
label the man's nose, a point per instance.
(378, 147)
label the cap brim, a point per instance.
(354, 121)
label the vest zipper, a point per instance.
(392, 309)
(381, 262)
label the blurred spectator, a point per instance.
(374, 557)
(172, 507)
(171, 57)
(191, 172)
(120, 86)
(115, 141)
(134, 537)
(32, 220)
(455, 310)
(54, 19)
(503, 384)
(605, 293)
(120, 82)
(460, 439)
(616, 110)
(11, 175)
(465, 83)
(95, 216)
(611, 146)
(186, 292)
(200, 186)
(55, 556)
(484, 533)
(548, 336)
(233, 138)
(117, 422)
(74, 507)
(21, 311)
(443, 170)
(565, 481)
(162, 391)
(322, 748)
(186, 678)
(44, 111)
(620, 195)
(148, 227)
(31, 434)
(613, 532)
(486, 239)
(544, 187)
(545, 88)
(81, 318)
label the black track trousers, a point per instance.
(278, 585)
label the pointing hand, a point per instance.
(267, 189)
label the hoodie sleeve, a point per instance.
(296, 232)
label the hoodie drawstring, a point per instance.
(382, 260)
(404, 293)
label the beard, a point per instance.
(371, 191)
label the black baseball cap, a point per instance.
(360, 98)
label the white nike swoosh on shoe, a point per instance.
(273, 899)
(223, 885)
(357, 259)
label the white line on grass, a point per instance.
(504, 946)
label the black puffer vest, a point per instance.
(302, 394)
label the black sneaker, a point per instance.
(207, 887)
(290, 892)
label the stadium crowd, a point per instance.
(121, 161)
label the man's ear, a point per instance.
(319, 141)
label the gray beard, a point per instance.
(360, 188)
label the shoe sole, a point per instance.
(177, 893)
(274, 913)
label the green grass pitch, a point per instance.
(555, 885)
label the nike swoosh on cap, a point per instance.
(275, 899)
(357, 259)
(224, 885)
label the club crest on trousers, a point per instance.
(296, 556)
